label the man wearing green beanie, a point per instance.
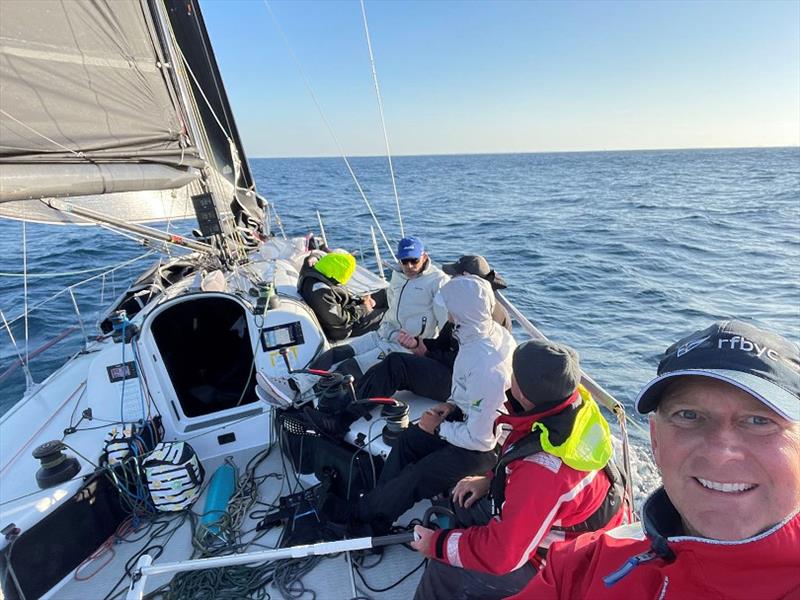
(341, 315)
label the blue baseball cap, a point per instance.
(762, 363)
(410, 247)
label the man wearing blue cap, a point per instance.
(412, 312)
(725, 433)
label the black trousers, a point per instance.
(338, 354)
(441, 580)
(403, 371)
(419, 466)
(369, 322)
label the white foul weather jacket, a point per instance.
(482, 370)
(411, 304)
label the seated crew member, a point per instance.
(555, 479)
(428, 369)
(725, 434)
(432, 456)
(410, 309)
(321, 285)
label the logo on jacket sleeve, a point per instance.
(548, 461)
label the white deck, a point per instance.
(330, 578)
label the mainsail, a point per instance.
(98, 104)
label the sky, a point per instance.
(494, 77)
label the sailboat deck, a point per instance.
(169, 538)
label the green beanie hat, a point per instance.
(336, 266)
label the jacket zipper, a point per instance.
(628, 566)
(400, 297)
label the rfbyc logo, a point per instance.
(739, 343)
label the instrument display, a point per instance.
(281, 336)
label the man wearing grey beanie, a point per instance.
(555, 479)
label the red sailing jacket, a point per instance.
(541, 492)
(636, 561)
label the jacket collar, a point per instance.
(521, 422)
(663, 526)
(518, 418)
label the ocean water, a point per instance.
(615, 253)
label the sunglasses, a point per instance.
(410, 261)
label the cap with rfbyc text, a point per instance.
(762, 363)
(410, 247)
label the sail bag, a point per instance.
(174, 476)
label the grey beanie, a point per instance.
(546, 371)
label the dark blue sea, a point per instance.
(615, 253)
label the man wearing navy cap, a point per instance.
(725, 433)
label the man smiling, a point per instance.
(726, 524)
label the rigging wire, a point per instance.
(87, 280)
(383, 121)
(28, 381)
(105, 269)
(329, 127)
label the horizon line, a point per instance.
(533, 152)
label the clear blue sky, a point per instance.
(468, 77)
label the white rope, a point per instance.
(105, 270)
(41, 135)
(383, 121)
(328, 126)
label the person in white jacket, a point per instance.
(411, 312)
(454, 438)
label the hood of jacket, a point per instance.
(470, 301)
(519, 422)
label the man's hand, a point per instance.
(422, 540)
(433, 417)
(470, 489)
(444, 409)
(421, 348)
(369, 302)
(406, 340)
(411, 342)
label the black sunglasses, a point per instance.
(409, 261)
